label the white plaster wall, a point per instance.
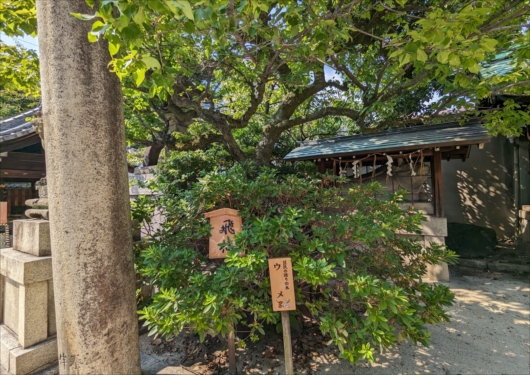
(480, 190)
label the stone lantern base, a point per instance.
(27, 331)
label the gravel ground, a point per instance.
(489, 333)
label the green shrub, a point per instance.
(352, 272)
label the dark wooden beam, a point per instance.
(437, 184)
(321, 167)
(15, 144)
(13, 161)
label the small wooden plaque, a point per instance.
(226, 223)
(282, 285)
(3, 212)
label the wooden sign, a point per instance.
(3, 212)
(282, 285)
(226, 223)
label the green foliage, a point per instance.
(18, 17)
(259, 76)
(352, 271)
(254, 72)
(19, 70)
(14, 103)
(19, 67)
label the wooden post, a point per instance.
(232, 369)
(283, 299)
(321, 167)
(437, 184)
(287, 349)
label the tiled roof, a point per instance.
(502, 64)
(412, 138)
(17, 126)
(498, 67)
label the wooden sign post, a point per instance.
(283, 299)
(226, 223)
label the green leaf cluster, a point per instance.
(353, 272)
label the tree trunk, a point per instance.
(265, 147)
(97, 324)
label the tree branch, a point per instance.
(327, 111)
(349, 74)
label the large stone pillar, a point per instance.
(97, 327)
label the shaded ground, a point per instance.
(505, 252)
(489, 334)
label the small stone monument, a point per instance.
(39, 206)
(27, 313)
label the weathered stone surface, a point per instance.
(38, 213)
(20, 361)
(434, 226)
(24, 268)
(42, 185)
(471, 241)
(473, 263)
(425, 208)
(494, 266)
(88, 196)
(37, 202)
(8, 342)
(32, 236)
(437, 273)
(174, 370)
(52, 328)
(48, 370)
(33, 313)
(509, 267)
(11, 304)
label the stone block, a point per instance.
(25, 361)
(24, 268)
(32, 237)
(11, 304)
(174, 370)
(434, 226)
(473, 263)
(33, 313)
(8, 342)
(437, 273)
(425, 208)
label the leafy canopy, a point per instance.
(257, 76)
(253, 74)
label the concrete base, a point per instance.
(437, 273)
(17, 360)
(32, 237)
(433, 232)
